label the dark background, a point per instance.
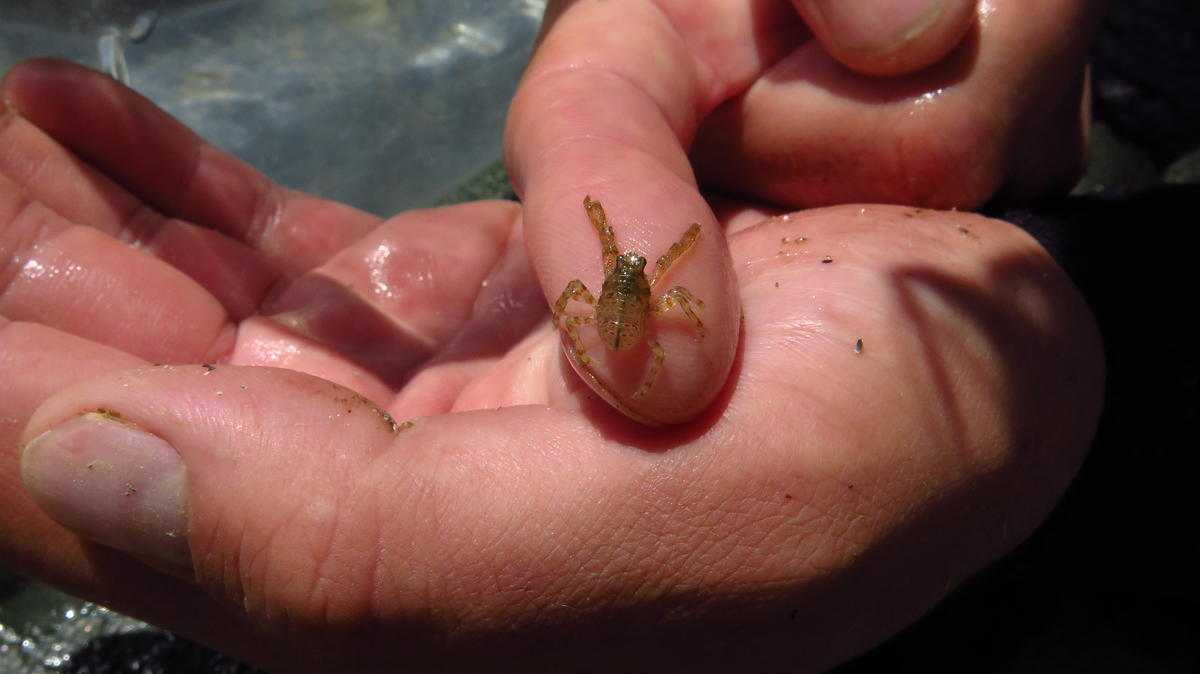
(1109, 583)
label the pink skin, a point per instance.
(825, 499)
(639, 102)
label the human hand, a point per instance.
(633, 101)
(828, 497)
(931, 102)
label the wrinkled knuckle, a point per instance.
(944, 160)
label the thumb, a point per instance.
(216, 458)
(888, 37)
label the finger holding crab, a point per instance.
(636, 336)
(627, 300)
(580, 125)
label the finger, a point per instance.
(609, 100)
(1002, 112)
(162, 163)
(884, 38)
(447, 283)
(81, 281)
(34, 167)
(490, 350)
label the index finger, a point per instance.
(606, 109)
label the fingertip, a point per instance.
(14, 81)
(17, 74)
(888, 37)
(26, 81)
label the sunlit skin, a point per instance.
(518, 523)
(654, 106)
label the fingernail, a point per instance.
(876, 25)
(113, 483)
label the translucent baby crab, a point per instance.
(625, 299)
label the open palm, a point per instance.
(518, 521)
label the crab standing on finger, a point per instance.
(625, 301)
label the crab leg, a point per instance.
(575, 290)
(608, 242)
(673, 253)
(655, 367)
(684, 299)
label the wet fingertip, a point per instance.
(20, 72)
(7, 104)
(18, 79)
(46, 76)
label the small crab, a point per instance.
(625, 299)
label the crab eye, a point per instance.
(635, 260)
